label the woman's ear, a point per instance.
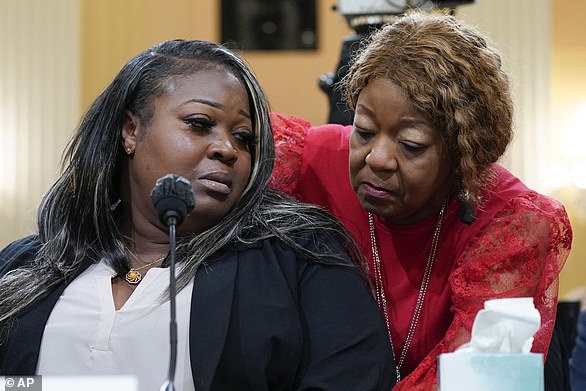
(129, 130)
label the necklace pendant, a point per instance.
(133, 277)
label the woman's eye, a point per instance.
(362, 133)
(200, 123)
(245, 138)
(412, 147)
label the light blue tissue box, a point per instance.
(490, 371)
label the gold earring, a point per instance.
(129, 151)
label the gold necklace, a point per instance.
(380, 290)
(134, 277)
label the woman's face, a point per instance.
(397, 165)
(201, 129)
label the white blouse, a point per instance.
(85, 335)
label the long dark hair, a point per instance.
(79, 217)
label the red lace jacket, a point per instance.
(515, 248)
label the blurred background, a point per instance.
(56, 56)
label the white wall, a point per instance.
(521, 30)
(39, 100)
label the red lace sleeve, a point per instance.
(289, 135)
(520, 252)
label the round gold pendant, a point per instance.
(133, 277)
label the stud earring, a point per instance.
(129, 151)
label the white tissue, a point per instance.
(504, 326)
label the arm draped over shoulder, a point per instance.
(289, 134)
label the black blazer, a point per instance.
(261, 318)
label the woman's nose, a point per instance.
(382, 156)
(222, 147)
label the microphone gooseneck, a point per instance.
(173, 199)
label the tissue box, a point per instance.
(481, 371)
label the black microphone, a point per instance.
(173, 199)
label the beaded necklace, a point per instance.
(380, 290)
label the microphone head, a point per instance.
(173, 199)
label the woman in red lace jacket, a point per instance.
(443, 225)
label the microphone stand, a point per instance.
(173, 199)
(169, 384)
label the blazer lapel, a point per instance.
(211, 306)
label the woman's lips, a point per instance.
(217, 182)
(376, 192)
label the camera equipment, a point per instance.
(364, 16)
